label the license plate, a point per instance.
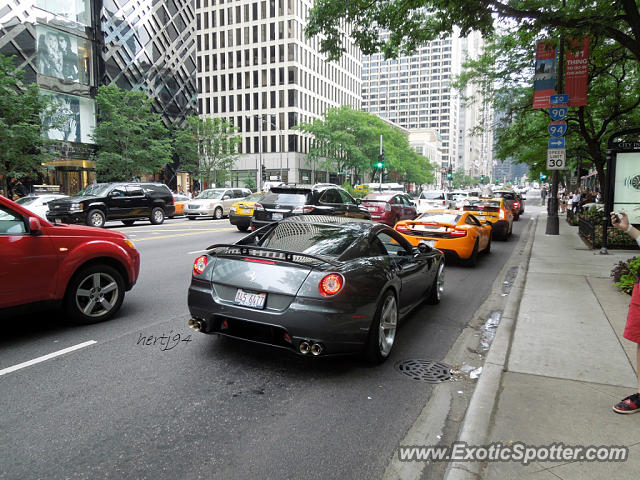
(244, 211)
(276, 216)
(247, 299)
(424, 228)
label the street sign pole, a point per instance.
(553, 222)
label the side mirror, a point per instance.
(423, 247)
(34, 226)
(226, 197)
(358, 201)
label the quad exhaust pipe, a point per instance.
(197, 325)
(307, 347)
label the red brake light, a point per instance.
(516, 205)
(331, 284)
(259, 260)
(458, 233)
(199, 264)
(258, 206)
(502, 215)
(402, 228)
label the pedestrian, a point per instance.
(563, 202)
(630, 404)
(576, 201)
(543, 195)
(570, 202)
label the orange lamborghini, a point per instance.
(458, 234)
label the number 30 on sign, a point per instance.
(556, 159)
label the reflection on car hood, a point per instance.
(64, 230)
(75, 199)
(203, 201)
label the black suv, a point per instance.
(128, 202)
(322, 199)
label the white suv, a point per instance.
(214, 202)
(429, 199)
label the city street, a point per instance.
(199, 406)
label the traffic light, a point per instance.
(543, 176)
(449, 174)
(263, 172)
(380, 163)
(481, 178)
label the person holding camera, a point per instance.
(630, 404)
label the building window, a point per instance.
(78, 11)
(64, 56)
(73, 120)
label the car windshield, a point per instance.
(95, 189)
(26, 200)
(254, 197)
(210, 194)
(313, 239)
(285, 198)
(450, 218)
(432, 196)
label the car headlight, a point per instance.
(233, 209)
(76, 207)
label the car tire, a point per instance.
(488, 249)
(191, 218)
(516, 217)
(243, 228)
(157, 216)
(128, 222)
(473, 259)
(217, 213)
(96, 218)
(437, 287)
(87, 286)
(378, 347)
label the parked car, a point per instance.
(128, 202)
(39, 204)
(493, 210)
(214, 202)
(430, 199)
(388, 208)
(241, 212)
(457, 234)
(315, 285)
(87, 270)
(179, 201)
(322, 199)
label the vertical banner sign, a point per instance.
(544, 80)
(577, 72)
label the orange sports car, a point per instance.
(458, 234)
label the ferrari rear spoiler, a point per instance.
(234, 250)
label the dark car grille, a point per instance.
(432, 234)
(59, 208)
(256, 332)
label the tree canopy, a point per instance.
(130, 138)
(413, 23)
(22, 147)
(348, 139)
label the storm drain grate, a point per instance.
(424, 370)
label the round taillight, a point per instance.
(199, 265)
(402, 228)
(331, 284)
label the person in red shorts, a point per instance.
(630, 404)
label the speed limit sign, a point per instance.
(556, 159)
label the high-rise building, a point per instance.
(257, 70)
(415, 91)
(71, 47)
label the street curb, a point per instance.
(477, 421)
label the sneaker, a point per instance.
(630, 404)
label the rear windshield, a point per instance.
(273, 198)
(471, 204)
(254, 197)
(432, 196)
(312, 239)
(435, 217)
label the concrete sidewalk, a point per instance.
(565, 367)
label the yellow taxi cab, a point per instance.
(241, 212)
(494, 210)
(456, 233)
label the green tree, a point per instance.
(22, 147)
(217, 144)
(348, 139)
(412, 23)
(130, 138)
(521, 132)
(185, 146)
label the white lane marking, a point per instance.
(43, 358)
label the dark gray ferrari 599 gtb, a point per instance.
(315, 285)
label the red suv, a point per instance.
(389, 208)
(87, 270)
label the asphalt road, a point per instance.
(210, 407)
